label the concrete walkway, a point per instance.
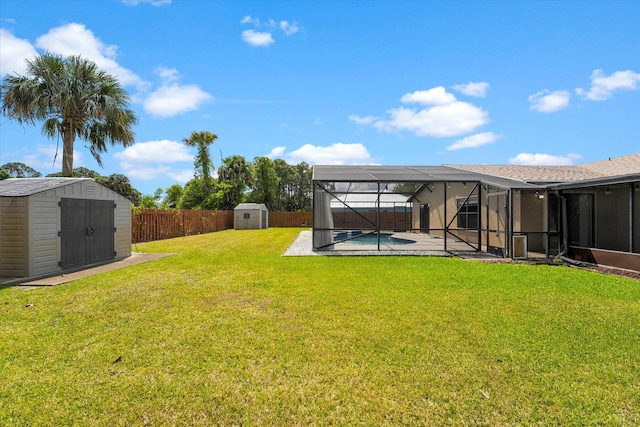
(65, 277)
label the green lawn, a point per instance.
(228, 332)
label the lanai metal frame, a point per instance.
(327, 181)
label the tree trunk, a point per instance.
(67, 152)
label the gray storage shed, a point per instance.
(252, 216)
(49, 225)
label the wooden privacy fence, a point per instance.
(290, 219)
(148, 225)
(151, 224)
(399, 221)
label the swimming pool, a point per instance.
(359, 238)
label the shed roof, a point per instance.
(19, 187)
(251, 206)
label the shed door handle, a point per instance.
(91, 231)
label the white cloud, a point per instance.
(153, 159)
(549, 102)
(602, 86)
(15, 52)
(42, 159)
(453, 119)
(76, 39)
(249, 20)
(276, 152)
(444, 115)
(153, 172)
(167, 75)
(435, 96)
(289, 28)
(163, 151)
(474, 141)
(171, 98)
(335, 154)
(477, 89)
(362, 120)
(543, 159)
(257, 38)
(151, 2)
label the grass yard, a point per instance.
(228, 332)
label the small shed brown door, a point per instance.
(87, 232)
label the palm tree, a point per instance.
(74, 99)
(203, 163)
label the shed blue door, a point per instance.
(87, 232)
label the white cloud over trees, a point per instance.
(154, 159)
(336, 154)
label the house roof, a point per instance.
(624, 165)
(19, 187)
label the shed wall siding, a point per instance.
(44, 214)
(122, 223)
(13, 237)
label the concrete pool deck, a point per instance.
(425, 246)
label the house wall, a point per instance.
(434, 196)
(636, 218)
(611, 218)
(494, 207)
(14, 243)
(530, 217)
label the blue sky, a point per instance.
(337, 82)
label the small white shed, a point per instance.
(49, 225)
(250, 216)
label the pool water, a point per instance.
(358, 238)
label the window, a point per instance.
(247, 215)
(468, 212)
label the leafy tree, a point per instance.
(286, 175)
(4, 174)
(121, 185)
(203, 163)
(173, 196)
(80, 172)
(74, 99)
(303, 193)
(151, 201)
(294, 188)
(265, 189)
(20, 170)
(234, 178)
(193, 195)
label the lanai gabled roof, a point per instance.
(369, 173)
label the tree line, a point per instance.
(277, 184)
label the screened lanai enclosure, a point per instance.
(430, 209)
